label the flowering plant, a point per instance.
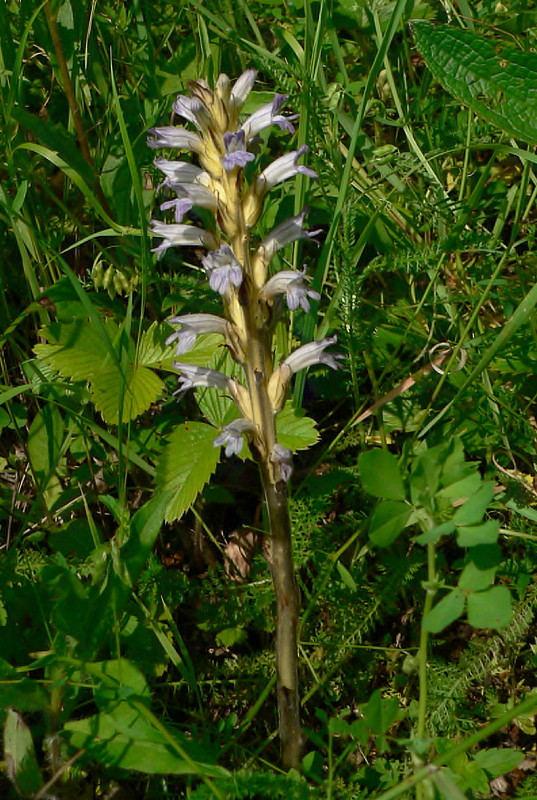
(252, 301)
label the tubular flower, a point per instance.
(236, 153)
(293, 284)
(305, 356)
(283, 168)
(190, 326)
(192, 376)
(268, 115)
(223, 269)
(282, 459)
(189, 196)
(232, 436)
(187, 235)
(192, 109)
(282, 235)
(174, 137)
(180, 172)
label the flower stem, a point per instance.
(285, 589)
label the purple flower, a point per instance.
(283, 168)
(174, 235)
(232, 436)
(236, 153)
(174, 137)
(223, 269)
(312, 353)
(192, 109)
(190, 326)
(282, 458)
(189, 195)
(192, 376)
(268, 115)
(291, 283)
(180, 172)
(282, 235)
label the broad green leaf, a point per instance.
(497, 82)
(471, 512)
(145, 526)
(473, 579)
(185, 465)
(120, 386)
(490, 609)
(446, 611)
(425, 475)
(388, 521)
(125, 395)
(380, 476)
(294, 430)
(19, 754)
(125, 739)
(447, 788)
(473, 535)
(118, 678)
(231, 636)
(497, 762)
(77, 350)
(463, 489)
(22, 693)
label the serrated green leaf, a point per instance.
(446, 611)
(120, 387)
(141, 387)
(380, 476)
(185, 465)
(500, 84)
(388, 522)
(490, 609)
(294, 430)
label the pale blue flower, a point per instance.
(312, 353)
(190, 326)
(293, 284)
(283, 459)
(173, 136)
(283, 234)
(192, 376)
(223, 269)
(236, 153)
(268, 115)
(241, 89)
(189, 195)
(180, 172)
(192, 109)
(180, 235)
(232, 436)
(283, 168)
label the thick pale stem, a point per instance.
(281, 555)
(287, 603)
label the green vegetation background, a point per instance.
(136, 658)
